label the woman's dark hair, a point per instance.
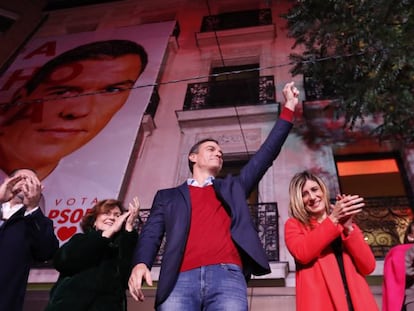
(102, 207)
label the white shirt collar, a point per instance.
(8, 210)
(207, 182)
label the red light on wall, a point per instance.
(366, 167)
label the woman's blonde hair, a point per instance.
(296, 207)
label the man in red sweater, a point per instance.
(212, 247)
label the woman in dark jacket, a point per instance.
(95, 265)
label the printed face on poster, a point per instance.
(71, 108)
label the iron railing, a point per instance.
(239, 19)
(265, 217)
(229, 93)
(384, 221)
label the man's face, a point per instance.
(42, 133)
(208, 158)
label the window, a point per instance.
(233, 86)
(234, 89)
(381, 180)
(371, 177)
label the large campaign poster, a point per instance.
(75, 118)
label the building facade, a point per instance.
(222, 77)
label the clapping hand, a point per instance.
(345, 208)
(133, 210)
(9, 188)
(32, 191)
(24, 185)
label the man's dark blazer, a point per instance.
(23, 240)
(171, 214)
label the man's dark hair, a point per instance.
(98, 50)
(196, 147)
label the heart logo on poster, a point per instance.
(65, 233)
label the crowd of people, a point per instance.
(211, 244)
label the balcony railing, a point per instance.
(228, 93)
(265, 216)
(239, 19)
(384, 221)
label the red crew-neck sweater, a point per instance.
(209, 240)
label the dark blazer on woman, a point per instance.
(94, 272)
(171, 214)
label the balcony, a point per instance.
(265, 216)
(236, 27)
(384, 221)
(238, 19)
(229, 93)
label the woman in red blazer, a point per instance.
(331, 255)
(398, 284)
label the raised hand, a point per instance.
(9, 188)
(116, 226)
(291, 94)
(31, 190)
(134, 212)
